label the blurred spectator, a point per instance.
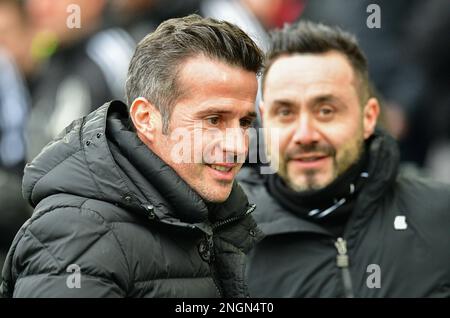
(88, 68)
(255, 17)
(16, 34)
(235, 11)
(14, 105)
(15, 63)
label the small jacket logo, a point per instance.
(400, 222)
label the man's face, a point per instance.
(208, 126)
(313, 100)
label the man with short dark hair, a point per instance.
(126, 211)
(340, 219)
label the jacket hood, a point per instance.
(99, 157)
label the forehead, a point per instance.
(307, 75)
(201, 77)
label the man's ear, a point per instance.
(370, 116)
(143, 114)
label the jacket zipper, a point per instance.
(210, 249)
(210, 241)
(251, 208)
(342, 261)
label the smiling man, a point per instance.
(117, 213)
(338, 213)
(317, 110)
(214, 110)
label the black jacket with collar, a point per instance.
(110, 210)
(298, 258)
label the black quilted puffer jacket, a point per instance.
(111, 219)
(396, 241)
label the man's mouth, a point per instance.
(221, 168)
(223, 171)
(310, 161)
(310, 158)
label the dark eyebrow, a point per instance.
(316, 100)
(325, 99)
(251, 115)
(221, 111)
(282, 102)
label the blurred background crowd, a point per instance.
(53, 71)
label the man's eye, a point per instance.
(246, 123)
(213, 120)
(326, 111)
(284, 112)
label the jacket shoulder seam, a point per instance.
(27, 229)
(44, 247)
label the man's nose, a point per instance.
(235, 143)
(306, 131)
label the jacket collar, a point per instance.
(383, 170)
(274, 219)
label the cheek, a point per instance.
(341, 135)
(348, 151)
(284, 140)
(278, 139)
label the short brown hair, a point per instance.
(154, 68)
(310, 37)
